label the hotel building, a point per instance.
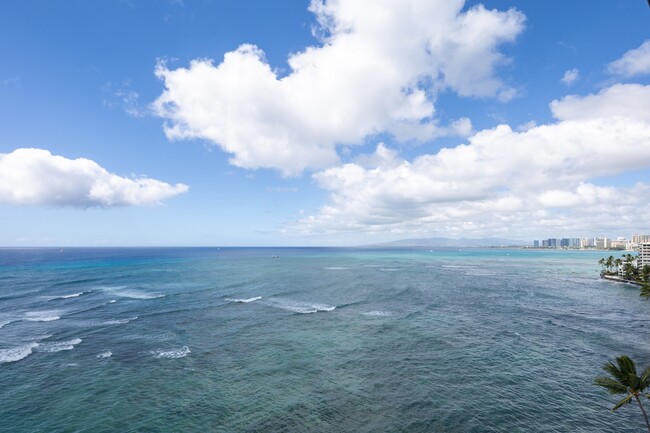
(644, 254)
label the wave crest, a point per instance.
(124, 292)
(244, 301)
(377, 313)
(71, 295)
(303, 307)
(58, 346)
(171, 354)
(119, 321)
(42, 316)
(14, 354)
(136, 294)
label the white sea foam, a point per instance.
(389, 269)
(104, 355)
(335, 268)
(171, 354)
(245, 301)
(137, 294)
(119, 321)
(58, 346)
(71, 295)
(377, 313)
(17, 353)
(42, 316)
(112, 301)
(303, 307)
(124, 292)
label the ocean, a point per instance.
(312, 340)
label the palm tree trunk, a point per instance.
(645, 415)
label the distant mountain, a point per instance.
(448, 242)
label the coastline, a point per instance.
(618, 279)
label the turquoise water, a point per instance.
(332, 340)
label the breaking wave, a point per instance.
(302, 307)
(171, 354)
(377, 313)
(123, 292)
(71, 295)
(244, 301)
(17, 353)
(42, 316)
(119, 321)
(58, 346)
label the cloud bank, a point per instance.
(503, 181)
(36, 177)
(378, 69)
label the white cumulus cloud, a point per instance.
(634, 62)
(570, 77)
(36, 177)
(501, 180)
(378, 68)
(619, 100)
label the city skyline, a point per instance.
(597, 242)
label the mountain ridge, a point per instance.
(452, 242)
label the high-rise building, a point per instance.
(618, 244)
(638, 239)
(644, 254)
(602, 243)
(570, 243)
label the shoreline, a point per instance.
(618, 279)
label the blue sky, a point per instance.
(344, 122)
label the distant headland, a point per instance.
(451, 242)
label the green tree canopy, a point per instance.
(624, 380)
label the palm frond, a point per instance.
(645, 379)
(645, 291)
(626, 365)
(615, 372)
(623, 402)
(612, 386)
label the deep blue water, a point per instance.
(331, 340)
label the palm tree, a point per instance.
(629, 258)
(628, 270)
(617, 264)
(625, 380)
(609, 263)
